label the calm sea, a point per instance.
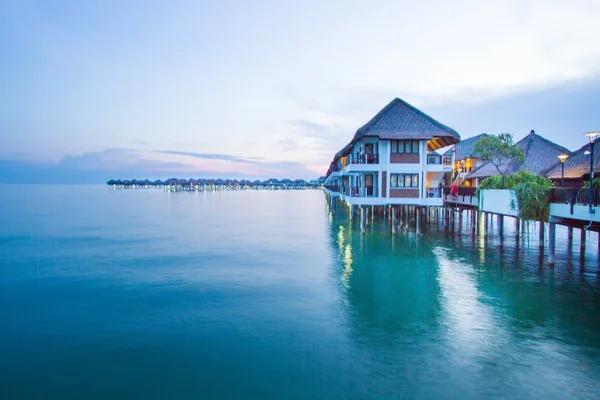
(269, 295)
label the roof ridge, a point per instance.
(533, 134)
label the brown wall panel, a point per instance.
(404, 158)
(404, 193)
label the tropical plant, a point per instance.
(595, 183)
(532, 193)
(498, 150)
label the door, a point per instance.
(369, 184)
(368, 152)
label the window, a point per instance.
(405, 146)
(404, 180)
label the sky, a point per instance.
(96, 90)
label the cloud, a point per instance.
(141, 142)
(123, 163)
(309, 138)
(118, 158)
(212, 156)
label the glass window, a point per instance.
(415, 147)
(404, 180)
(401, 146)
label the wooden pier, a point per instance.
(459, 212)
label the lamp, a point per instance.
(592, 136)
(563, 159)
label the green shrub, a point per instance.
(596, 183)
(532, 193)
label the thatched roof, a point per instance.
(577, 165)
(400, 120)
(540, 154)
(465, 149)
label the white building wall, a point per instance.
(498, 201)
(431, 174)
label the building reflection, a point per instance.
(388, 284)
(473, 294)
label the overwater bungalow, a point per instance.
(465, 160)
(391, 160)
(541, 154)
(576, 168)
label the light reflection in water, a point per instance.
(469, 321)
(346, 252)
(347, 273)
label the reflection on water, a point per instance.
(270, 295)
(458, 316)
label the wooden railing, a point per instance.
(358, 158)
(575, 196)
(361, 191)
(462, 191)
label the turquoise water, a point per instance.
(146, 294)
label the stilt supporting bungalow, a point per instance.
(551, 242)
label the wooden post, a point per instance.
(517, 228)
(500, 218)
(473, 222)
(541, 233)
(393, 213)
(485, 224)
(446, 217)
(418, 220)
(582, 243)
(570, 236)
(551, 242)
(362, 220)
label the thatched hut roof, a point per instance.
(577, 165)
(400, 120)
(465, 149)
(540, 154)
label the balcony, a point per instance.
(358, 158)
(438, 163)
(362, 191)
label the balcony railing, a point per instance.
(358, 158)
(332, 188)
(361, 191)
(462, 191)
(574, 196)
